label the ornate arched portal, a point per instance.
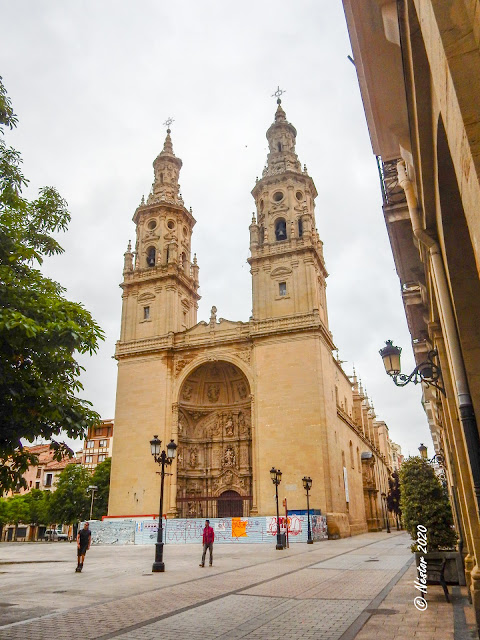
(215, 442)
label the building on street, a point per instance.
(418, 66)
(240, 397)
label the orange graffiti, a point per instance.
(239, 528)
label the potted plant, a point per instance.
(427, 516)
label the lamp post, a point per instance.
(427, 372)
(92, 488)
(384, 504)
(307, 485)
(162, 458)
(276, 476)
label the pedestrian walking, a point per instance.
(208, 538)
(84, 539)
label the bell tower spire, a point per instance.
(160, 291)
(287, 265)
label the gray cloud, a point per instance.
(92, 84)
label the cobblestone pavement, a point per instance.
(328, 590)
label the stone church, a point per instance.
(240, 397)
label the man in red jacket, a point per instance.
(208, 538)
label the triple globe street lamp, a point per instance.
(163, 458)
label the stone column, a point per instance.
(254, 509)
(173, 511)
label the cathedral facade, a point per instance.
(240, 397)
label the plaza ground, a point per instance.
(333, 590)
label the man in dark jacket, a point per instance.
(208, 538)
(84, 539)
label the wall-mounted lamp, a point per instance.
(428, 371)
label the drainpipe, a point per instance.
(464, 400)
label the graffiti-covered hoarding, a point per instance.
(189, 531)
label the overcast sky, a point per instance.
(92, 82)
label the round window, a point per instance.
(299, 196)
(278, 196)
(171, 224)
(152, 224)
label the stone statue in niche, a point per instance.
(242, 423)
(229, 458)
(187, 392)
(182, 422)
(213, 392)
(193, 457)
(192, 509)
(229, 426)
(180, 458)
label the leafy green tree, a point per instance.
(101, 479)
(70, 502)
(3, 514)
(18, 511)
(424, 501)
(39, 506)
(40, 330)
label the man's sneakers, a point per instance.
(79, 568)
(201, 565)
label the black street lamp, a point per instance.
(384, 504)
(427, 372)
(307, 485)
(276, 476)
(162, 458)
(93, 489)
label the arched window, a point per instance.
(262, 235)
(359, 460)
(279, 146)
(352, 459)
(184, 261)
(300, 228)
(280, 229)
(151, 257)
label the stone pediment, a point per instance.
(200, 327)
(145, 297)
(280, 271)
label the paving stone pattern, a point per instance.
(305, 595)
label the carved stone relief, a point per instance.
(213, 392)
(187, 392)
(229, 457)
(193, 457)
(229, 428)
(214, 441)
(242, 390)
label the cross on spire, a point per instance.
(167, 123)
(278, 93)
